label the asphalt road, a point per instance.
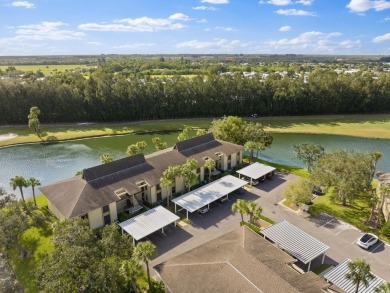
(339, 236)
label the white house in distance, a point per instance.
(104, 191)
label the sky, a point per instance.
(70, 27)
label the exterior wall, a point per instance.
(202, 173)
(56, 213)
(179, 184)
(224, 163)
(95, 218)
(120, 205)
(153, 194)
(113, 212)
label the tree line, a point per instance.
(109, 97)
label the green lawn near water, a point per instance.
(371, 126)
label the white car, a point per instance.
(367, 240)
(254, 181)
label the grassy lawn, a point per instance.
(73, 131)
(290, 205)
(373, 126)
(36, 240)
(354, 213)
(46, 69)
(321, 268)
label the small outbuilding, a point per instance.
(208, 193)
(296, 242)
(148, 222)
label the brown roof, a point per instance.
(75, 197)
(79, 195)
(239, 261)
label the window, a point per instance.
(229, 157)
(84, 217)
(159, 197)
(158, 187)
(173, 189)
(106, 209)
(198, 171)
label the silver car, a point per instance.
(367, 240)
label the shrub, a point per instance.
(386, 229)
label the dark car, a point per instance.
(317, 190)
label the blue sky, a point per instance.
(43, 27)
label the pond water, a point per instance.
(55, 162)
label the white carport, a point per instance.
(255, 171)
(337, 277)
(206, 194)
(148, 222)
(296, 242)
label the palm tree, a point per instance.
(19, 182)
(145, 251)
(254, 211)
(250, 146)
(383, 288)
(209, 165)
(241, 207)
(166, 182)
(106, 158)
(131, 270)
(141, 145)
(376, 156)
(359, 272)
(133, 149)
(33, 182)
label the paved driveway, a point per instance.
(339, 236)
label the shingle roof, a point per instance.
(76, 196)
(239, 261)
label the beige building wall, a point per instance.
(56, 213)
(113, 212)
(153, 194)
(95, 218)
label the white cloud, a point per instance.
(203, 20)
(24, 4)
(285, 28)
(94, 43)
(381, 39)
(226, 29)
(217, 44)
(40, 32)
(277, 2)
(386, 19)
(314, 41)
(179, 16)
(305, 2)
(204, 8)
(295, 12)
(135, 46)
(142, 24)
(286, 2)
(360, 6)
(215, 1)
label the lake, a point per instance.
(51, 163)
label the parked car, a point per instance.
(254, 181)
(239, 191)
(223, 199)
(367, 240)
(317, 191)
(203, 210)
(261, 179)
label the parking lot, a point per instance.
(339, 236)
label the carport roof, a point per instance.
(255, 170)
(295, 241)
(337, 277)
(148, 222)
(206, 194)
